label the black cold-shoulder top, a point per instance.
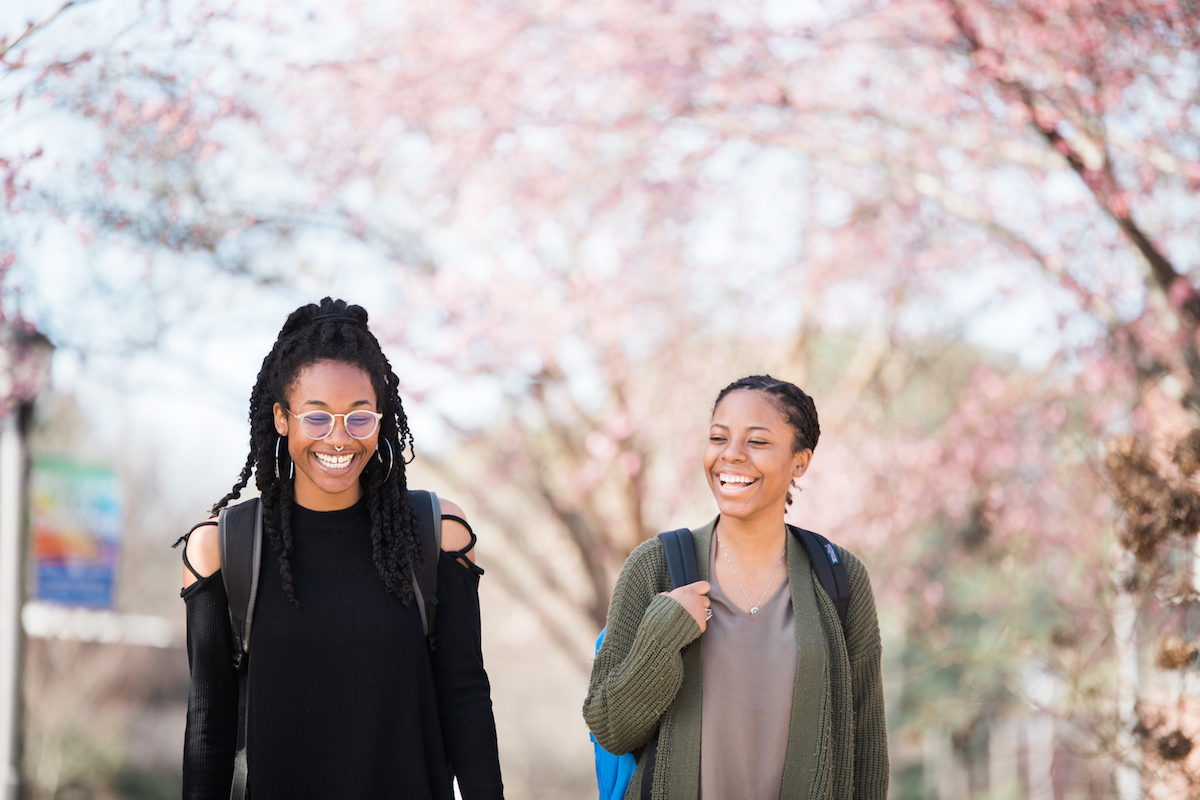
(345, 700)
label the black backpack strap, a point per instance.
(647, 788)
(680, 550)
(239, 531)
(681, 557)
(425, 582)
(831, 572)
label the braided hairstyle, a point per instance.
(305, 340)
(798, 409)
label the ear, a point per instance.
(800, 462)
(281, 419)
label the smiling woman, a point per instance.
(752, 457)
(750, 686)
(344, 697)
(329, 458)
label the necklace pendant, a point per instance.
(754, 611)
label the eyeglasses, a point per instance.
(319, 424)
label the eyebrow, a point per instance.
(326, 405)
(751, 428)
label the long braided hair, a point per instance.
(304, 340)
(798, 409)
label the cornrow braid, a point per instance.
(333, 331)
(798, 409)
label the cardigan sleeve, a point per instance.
(871, 764)
(639, 668)
(210, 737)
(463, 691)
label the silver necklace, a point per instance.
(754, 607)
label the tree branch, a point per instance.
(1100, 180)
(34, 27)
(1181, 296)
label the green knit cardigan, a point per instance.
(646, 677)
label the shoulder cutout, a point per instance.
(203, 552)
(455, 535)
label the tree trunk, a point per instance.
(1125, 614)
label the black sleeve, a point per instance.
(464, 694)
(211, 735)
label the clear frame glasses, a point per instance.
(319, 424)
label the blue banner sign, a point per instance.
(76, 521)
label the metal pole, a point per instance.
(11, 597)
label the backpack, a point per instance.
(614, 773)
(240, 534)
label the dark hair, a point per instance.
(333, 331)
(798, 409)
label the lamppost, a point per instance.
(24, 367)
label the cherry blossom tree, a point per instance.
(597, 214)
(1050, 146)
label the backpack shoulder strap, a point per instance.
(681, 556)
(425, 582)
(680, 550)
(831, 572)
(239, 532)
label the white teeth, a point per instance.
(735, 478)
(332, 461)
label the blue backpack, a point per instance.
(614, 773)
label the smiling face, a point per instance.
(749, 461)
(327, 470)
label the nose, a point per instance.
(339, 434)
(734, 451)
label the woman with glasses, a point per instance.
(344, 698)
(745, 683)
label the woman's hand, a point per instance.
(692, 597)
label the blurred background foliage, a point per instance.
(967, 227)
